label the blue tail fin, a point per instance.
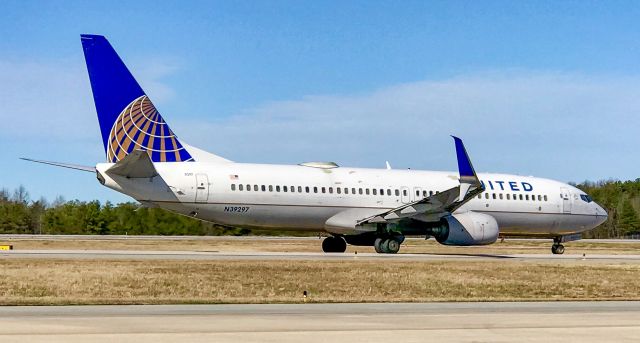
(128, 119)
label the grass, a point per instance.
(45, 282)
(227, 244)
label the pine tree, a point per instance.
(628, 222)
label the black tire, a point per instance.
(557, 249)
(334, 244)
(328, 245)
(393, 246)
(340, 244)
(377, 245)
(384, 246)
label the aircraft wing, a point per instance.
(439, 204)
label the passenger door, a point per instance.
(202, 188)
(566, 200)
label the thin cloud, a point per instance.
(53, 101)
(547, 123)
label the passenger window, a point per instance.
(545, 198)
(526, 197)
(381, 191)
(324, 190)
(284, 189)
(353, 191)
(292, 189)
(533, 197)
(277, 188)
(346, 190)
(270, 188)
(255, 188)
(375, 191)
(240, 187)
(493, 195)
(430, 193)
(338, 190)
(367, 191)
(248, 187)
(299, 189)
(508, 196)
(486, 195)
(397, 192)
(388, 192)
(500, 196)
(360, 191)
(315, 189)
(479, 196)
(233, 186)
(520, 196)
(404, 192)
(539, 197)
(424, 194)
(331, 190)
(306, 189)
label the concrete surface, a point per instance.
(395, 322)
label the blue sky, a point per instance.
(537, 88)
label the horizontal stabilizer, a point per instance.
(63, 165)
(137, 164)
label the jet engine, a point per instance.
(468, 228)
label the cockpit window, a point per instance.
(585, 198)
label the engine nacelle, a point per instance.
(469, 228)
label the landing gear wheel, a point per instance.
(387, 245)
(393, 246)
(557, 249)
(384, 246)
(377, 245)
(334, 244)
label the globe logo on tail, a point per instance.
(140, 127)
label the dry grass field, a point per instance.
(40, 282)
(89, 281)
(292, 244)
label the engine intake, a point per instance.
(469, 228)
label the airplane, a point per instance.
(355, 206)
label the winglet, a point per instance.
(469, 181)
(464, 163)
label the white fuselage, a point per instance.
(303, 198)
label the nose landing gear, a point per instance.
(557, 248)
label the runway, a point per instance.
(301, 256)
(402, 322)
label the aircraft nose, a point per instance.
(601, 214)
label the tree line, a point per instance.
(21, 215)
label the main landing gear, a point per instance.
(388, 245)
(334, 244)
(557, 248)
